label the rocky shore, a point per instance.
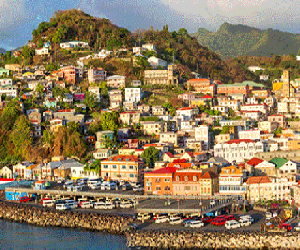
(201, 240)
(119, 224)
(45, 217)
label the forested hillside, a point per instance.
(238, 40)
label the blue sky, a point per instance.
(19, 17)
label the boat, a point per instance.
(6, 180)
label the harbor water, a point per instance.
(23, 236)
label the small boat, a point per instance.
(6, 180)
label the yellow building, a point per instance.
(294, 144)
(259, 188)
(209, 183)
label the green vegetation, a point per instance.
(238, 40)
(150, 156)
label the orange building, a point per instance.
(233, 89)
(70, 74)
(186, 182)
(122, 167)
(159, 182)
(205, 86)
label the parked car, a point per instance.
(175, 220)
(44, 199)
(162, 219)
(86, 204)
(207, 219)
(297, 228)
(99, 205)
(24, 199)
(62, 206)
(196, 223)
(144, 216)
(138, 188)
(244, 222)
(68, 183)
(95, 186)
(72, 204)
(232, 224)
(48, 203)
(126, 204)
(247, 217)
(126, 186)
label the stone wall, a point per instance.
(46, 217)
(201, 240)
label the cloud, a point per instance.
(19, 17)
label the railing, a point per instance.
(117, 195)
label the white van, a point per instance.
(108, 186)
(86, 204)
(48, 203)
(62, 206)
(126, 204)
(196, 223)
(162, 219)
(142, 216)
(247, 217)
(244, 222)
(72, 204)
(70, 188)
(77, 188)
(232, 224)
(99, 205)
(109, 205)
(175, 220)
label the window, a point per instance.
(130, 167)
(167, 180)
(194, 178)
(177, 178)
(167, 188)
(131, 175)
(114, 166)
(186, 178)
(123, 167)
(157, 188)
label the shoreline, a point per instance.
(145, 239)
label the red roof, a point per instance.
(185, 108)
(167, 170)
(190, 154)
(209, 175)
(258, 179)
(238, 141)
(254, 161)
(179, 161)
(207, 97)
(170, 154)
(123, 158)
(180, 165)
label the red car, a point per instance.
(287, 226)
(207, 219)
(229, 217)
(218, 222)
(45, 199)
(24, 199)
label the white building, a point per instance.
(233, 104)
(6, 82)
(133, 94)
(42, 52)
(96, 91)
(238, 150)
(249, 134)
(149, 46)
(74, 44)
(116, 81)
(186, 113)
(253, 115)
(155, 62)
(138, 50)
(168, 137)
(203, 133)
(254, 68)
(255, 107)
(9, 90)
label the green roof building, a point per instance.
(278, 162)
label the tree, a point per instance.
(95, 166)
(278, 131)
(171, 110)
(21, 137)
(150, 156)
(39, 88)
(90, 100)
(109, 121)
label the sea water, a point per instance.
(24, 236)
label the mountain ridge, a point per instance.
(232, 40)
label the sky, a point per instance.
(18, 18)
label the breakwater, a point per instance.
(45, 217)
(118, 224)
(201, 240)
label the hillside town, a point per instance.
(237, 139)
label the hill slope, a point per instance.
(177, 47)
(237, 40)
(2, 50)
